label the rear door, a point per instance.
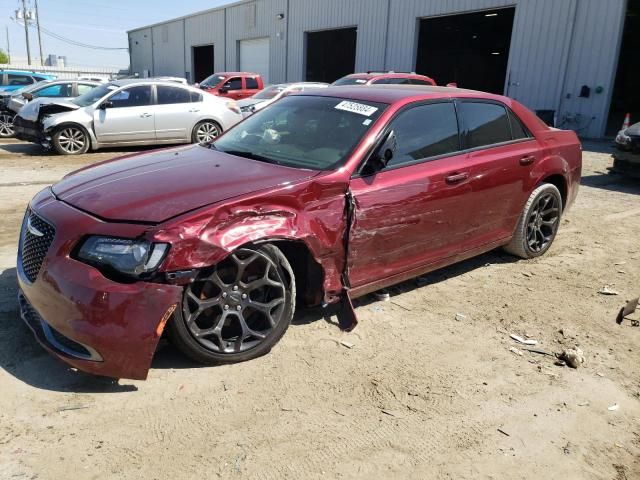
(82, 88)
(129, 118)
(175, 115)
(411, 213)
(501, 156)
(251, 87)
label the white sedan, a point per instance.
(127, 112)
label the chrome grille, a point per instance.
(36, 239)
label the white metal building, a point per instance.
(567, 57)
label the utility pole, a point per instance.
(25, 16)
(8, 45)
(39, 35)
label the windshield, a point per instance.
(269, 92)
(349, 81)
(213, 80)
(316, 133)
(93, 95)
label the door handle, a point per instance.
(194, 110)
(145, 115)
(456, 177)
(524, 161)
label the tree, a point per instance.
(4, 58)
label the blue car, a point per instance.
(11, 80)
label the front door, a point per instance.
(232, 88)
(410, 214)
(128, 118)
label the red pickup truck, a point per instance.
(235, 85)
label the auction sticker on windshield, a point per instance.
(359, 108)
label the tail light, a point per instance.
(233, 106)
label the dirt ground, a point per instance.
(420, 394)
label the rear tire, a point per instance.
(237, 310)
(71, 140)
(205, 132)
(538, 224)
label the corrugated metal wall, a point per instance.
(556, 47)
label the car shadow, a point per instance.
(26, 149)
(612, 182)
(22, 357)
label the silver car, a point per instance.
(51, 90)
(273, 93)
(127, 112)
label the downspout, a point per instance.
(225, 40)
(153, 61)
(286, 45)
(184, 48)
(566, 63)
(386, 38)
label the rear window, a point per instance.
(252, 83)
(391, 81)
(485, 123)
(417, 81)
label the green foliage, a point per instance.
(4, 58)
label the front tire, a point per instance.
(70, 140)
(6, 125)
(205, 132)
(237, 310)
(538, 224)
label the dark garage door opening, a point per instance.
(202, 62)
(626, 95)
(471, 49)
(331, 54)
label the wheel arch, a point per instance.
(59, 126)
(560, 183)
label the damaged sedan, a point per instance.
(125, 113)
(320, 198)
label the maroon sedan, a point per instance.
(320, 198)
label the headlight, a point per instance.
(233, 106)
(623, 138)
(131, 257)
(247, 108)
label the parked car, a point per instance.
(322, 197)
(626, 158)
(11, 80)
(127, 112)
(384, 78)
(236, 85)
(273, 93)
(45, 91)
(6, 115)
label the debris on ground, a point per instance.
(382, 295)
(516, 351)
(503, 432)
(527, 341)
(627, 310)
(460, 317)
(574, 357)
(583, 404)
(344, 343)
(607, 291)
(613, 407)
(77, 407)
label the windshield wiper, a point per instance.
(251, 155)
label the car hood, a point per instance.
(45, 106)
(156, 186)
(247, 102)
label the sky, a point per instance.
(97, 22)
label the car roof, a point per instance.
(27, 72)
(370, 75)
(399, 93)
(239, 74)
(144, 81)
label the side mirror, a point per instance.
(106, 104)
(383, 154)
(452, 85)
(223, 90)
(27, 96)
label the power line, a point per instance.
(74, 42)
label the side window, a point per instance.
(425, 131)
(252, 83)
(485, 123)
(19, 79)
(169, 95)
(60, 90)
(517, 130)
(233, 84)
(84, 88)
(132, 97)
(195, 97)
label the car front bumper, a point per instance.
(92, 323)
(29, 131)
